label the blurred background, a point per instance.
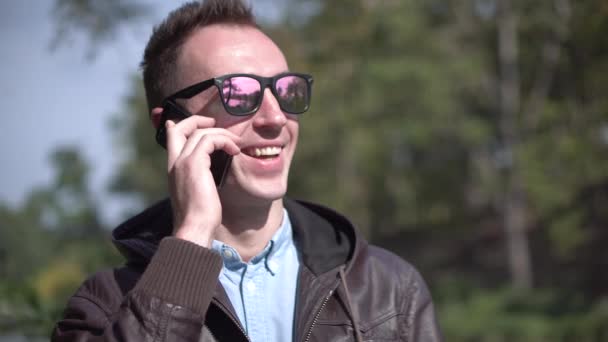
(469, 137)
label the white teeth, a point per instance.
(266, 151)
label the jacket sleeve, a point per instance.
(168, 303)
(421, 322)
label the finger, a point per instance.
(210, 143)
(178, 133)
(194, 138)
(175, 143)
(191, 124)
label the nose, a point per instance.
(270, 114)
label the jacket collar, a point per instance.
(324, 238)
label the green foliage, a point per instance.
(508, 315)
(142, 173)
(99, 21)
(406, 117)
(387, 117)
(48, 246)
(404, 138)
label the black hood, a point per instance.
(324, 238)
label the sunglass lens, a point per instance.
(292, 93)
(240, 94)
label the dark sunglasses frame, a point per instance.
(172, 110)
(264, 82)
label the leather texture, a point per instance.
(147, 300)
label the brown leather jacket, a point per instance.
(169, 290)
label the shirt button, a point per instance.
(227, 254)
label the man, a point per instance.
(238, 261)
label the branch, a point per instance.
(551, 54)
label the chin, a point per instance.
(254, 189)
(267, 189)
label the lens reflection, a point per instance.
(292, 92)
(241, 94)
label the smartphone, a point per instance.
(220, 160)
(220, 164)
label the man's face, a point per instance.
(218, 50)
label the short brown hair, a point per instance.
(161, 53)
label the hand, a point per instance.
(197, 210)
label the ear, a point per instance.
(155, 115)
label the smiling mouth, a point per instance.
(267, 152)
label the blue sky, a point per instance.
(51, 99)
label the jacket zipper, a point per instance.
(237, 323)
(314, 321)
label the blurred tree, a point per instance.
(48, 246)
(445, 129)
(142, 174)
(98, 21)
(408, 113)
(397, 115)
(410, 116)
(509, 95)
(69, 206)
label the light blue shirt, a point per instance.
(263, 291)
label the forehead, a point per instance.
(217, 50)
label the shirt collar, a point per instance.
(275, 247)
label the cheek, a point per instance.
(235, 124)
(215, 108)
(293, 127)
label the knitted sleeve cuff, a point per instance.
(182, 273)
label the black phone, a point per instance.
(220, 160)
(220, 164)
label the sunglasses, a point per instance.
(242, 94)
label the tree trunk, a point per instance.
(514, 207)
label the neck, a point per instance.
(249, 228)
